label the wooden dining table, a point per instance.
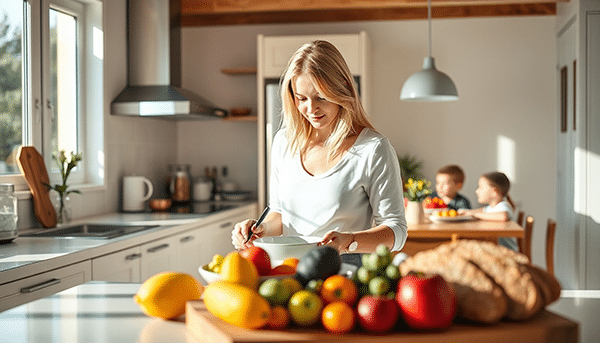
(429, 234)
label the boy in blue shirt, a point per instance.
(448, 182)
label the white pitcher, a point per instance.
(135, 194)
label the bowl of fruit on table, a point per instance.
(433, 205)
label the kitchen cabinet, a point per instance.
(184, 252)
(44, 284)
(218, 238)
(158, 256)
(189, 251)
(578, 145)
(120, 266)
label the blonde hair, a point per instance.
(326, 68)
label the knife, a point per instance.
(258, 222)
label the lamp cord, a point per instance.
(429, 26)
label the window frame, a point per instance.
(36, 85)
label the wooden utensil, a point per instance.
(32, 166)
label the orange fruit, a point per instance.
(291, 261)
(339, 288)
(283, 269)
(280, 318)
(338, 317)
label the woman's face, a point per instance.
(485, 192)
(319, 112)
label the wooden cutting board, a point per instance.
(545, 327)
(32, 166)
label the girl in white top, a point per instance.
(332, 174)
(493, 191)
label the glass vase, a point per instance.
(62, 206)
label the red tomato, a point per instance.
(260, 258)
(426, 301)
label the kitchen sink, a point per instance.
(101, 231)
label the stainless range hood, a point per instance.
(154, 66)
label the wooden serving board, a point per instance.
(546, 327)
(32, 166)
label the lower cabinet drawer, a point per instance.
(42, 285)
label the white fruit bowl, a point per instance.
(211, 277)
(281, 247)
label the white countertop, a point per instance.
(26, 255)
(92, 312)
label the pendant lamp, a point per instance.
(429, 84)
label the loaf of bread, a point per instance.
(491, 282)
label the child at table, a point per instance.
(493, 191)
(448, 182)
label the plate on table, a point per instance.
(434, 210)
(440, 219)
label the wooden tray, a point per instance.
(546, 327)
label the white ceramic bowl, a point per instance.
(207, 275)
(281, 247)
(210, 277)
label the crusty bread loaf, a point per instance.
(498, 262)
(478, 297)
(491, 281)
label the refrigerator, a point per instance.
(273, 54)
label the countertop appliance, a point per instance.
(155, 67)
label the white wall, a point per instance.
(504, 69)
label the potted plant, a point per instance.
(415, 192)
(410, 167)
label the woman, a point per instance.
(332, 175)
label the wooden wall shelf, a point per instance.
(241, 118)
(239, 71)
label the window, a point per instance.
(45, 63)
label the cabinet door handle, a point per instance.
(132, 257)
(186, 239)
(158, 248)
(225, 225)
(39, 286)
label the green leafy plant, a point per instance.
(410, 167)
(65, 165)
(417, 190)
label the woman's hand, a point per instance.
(337, 240)
(240, 233)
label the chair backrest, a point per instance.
(528, 236)
(525, 242)
(520, 218)
(550, 245)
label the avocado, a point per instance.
(319, 263)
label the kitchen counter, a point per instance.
(92, 312)
(34, 267)
(24, 252)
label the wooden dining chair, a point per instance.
(525, 242)
(520, 218)
(551, 230)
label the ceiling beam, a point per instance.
(244, 12)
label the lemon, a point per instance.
(164, 295)
(239, 270)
